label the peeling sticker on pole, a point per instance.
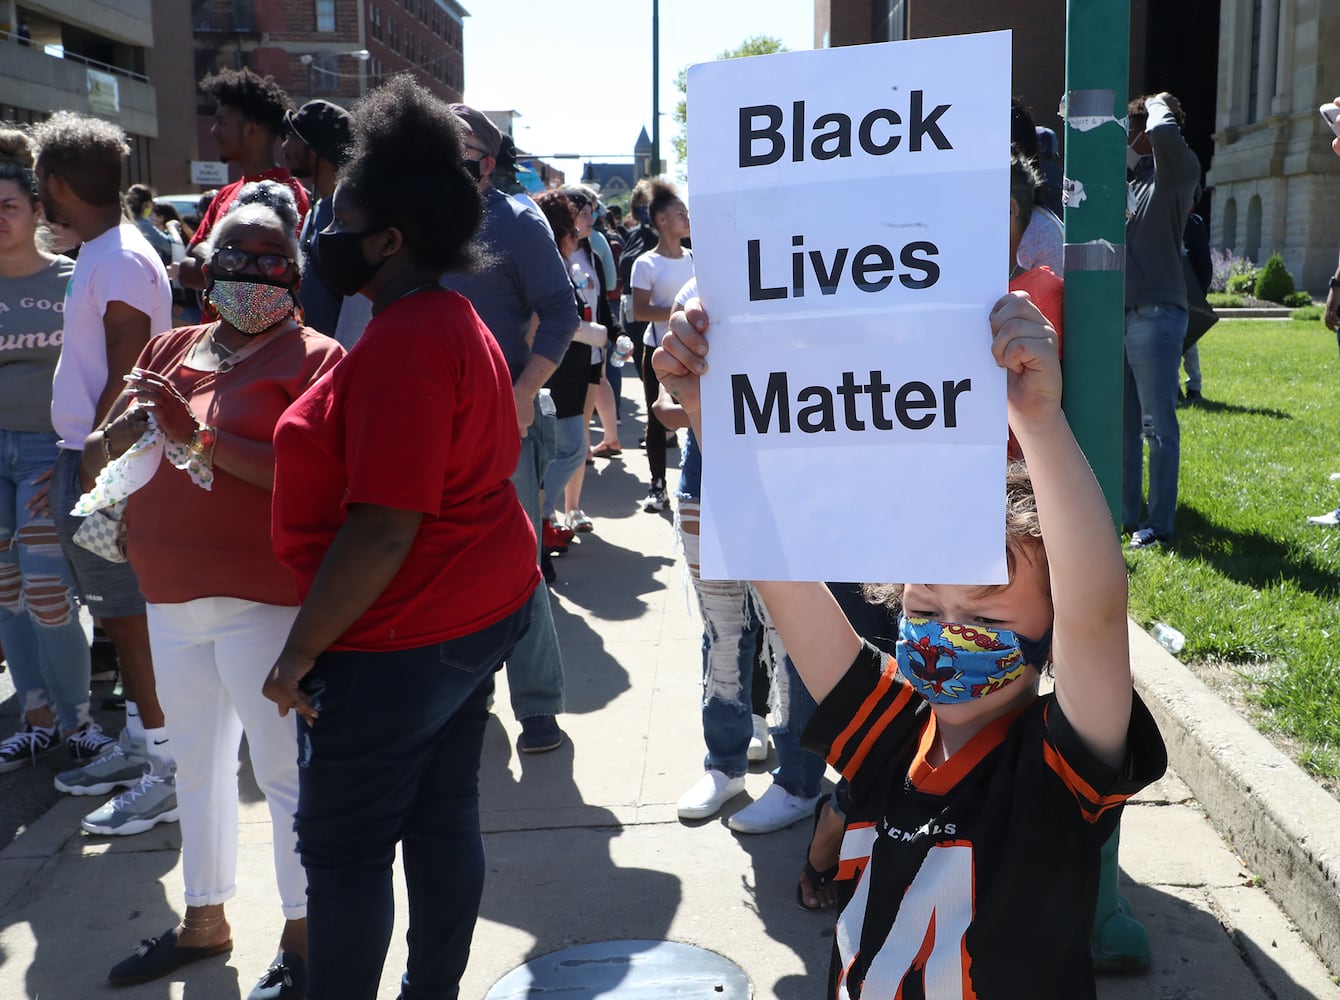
(1096, 255)
(1085, 110)
(1072, 193)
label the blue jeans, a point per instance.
(39, 619)
(535, 668)
(731, 615)
(394, 758)
(1153, 343)
(570, 444)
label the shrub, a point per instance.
(1298, 299)
(1308, 314)
(1274, 282)
(1223, 300)
(1242, 284)
(1225, 264)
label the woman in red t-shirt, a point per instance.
(394, 507)
(219, 603)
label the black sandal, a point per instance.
(818, 880)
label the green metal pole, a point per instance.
(1097, 68)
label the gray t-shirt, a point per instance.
(32, 327)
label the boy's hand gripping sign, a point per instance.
(850, 236)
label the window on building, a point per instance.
(326, 73)
(1252, 244)
(325, 15)
(889, 19)
(1254, 69)
(1229, 236)
(394, 32)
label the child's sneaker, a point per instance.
(88, 742)
(121, 766)
(25, 746)
(151, 801)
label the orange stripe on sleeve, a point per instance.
(1092, 804)
(886, 680)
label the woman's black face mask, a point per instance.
(342, 263)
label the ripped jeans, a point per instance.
(731, 611)
(39, 616)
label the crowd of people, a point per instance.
(296, 454)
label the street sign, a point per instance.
(210, 173)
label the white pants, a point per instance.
(211, 657)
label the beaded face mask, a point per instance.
(251, 305)
(948, 663)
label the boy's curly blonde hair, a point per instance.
(1023, 537)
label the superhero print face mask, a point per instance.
(948, 663)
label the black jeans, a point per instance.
(394, 757)
(655, 439)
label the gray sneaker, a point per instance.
(120, 767)
(150, 802)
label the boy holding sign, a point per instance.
(969, 867)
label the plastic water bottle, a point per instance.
(623, 351)
(1168, 637)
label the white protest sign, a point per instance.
(850, 234)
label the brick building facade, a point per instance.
(332, 49)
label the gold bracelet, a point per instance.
(204, 439)
(106, 442)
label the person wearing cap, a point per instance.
(316, 145)
(248, 118)
(526, 277)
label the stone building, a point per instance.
(1276, 181)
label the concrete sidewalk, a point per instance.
(584, 845)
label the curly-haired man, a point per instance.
(248, 119)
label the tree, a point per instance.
(756, 45)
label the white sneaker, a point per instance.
(708, 794)
(776, 809)
(758, 743)
(1331, 519)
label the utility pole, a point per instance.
(655, 87)
(1097, 71)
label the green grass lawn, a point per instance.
(1254, 587)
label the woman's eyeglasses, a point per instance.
(230, 260)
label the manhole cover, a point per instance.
(628, 970)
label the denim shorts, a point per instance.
(108, 589)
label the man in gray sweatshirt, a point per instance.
(1164, 176)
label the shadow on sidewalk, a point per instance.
(559, 883)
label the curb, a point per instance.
(1283, 825)
(1254, 312)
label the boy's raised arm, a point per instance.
(1088, 575)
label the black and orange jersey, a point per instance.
(977, 878)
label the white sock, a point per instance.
(156, 741)
(133, 724)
